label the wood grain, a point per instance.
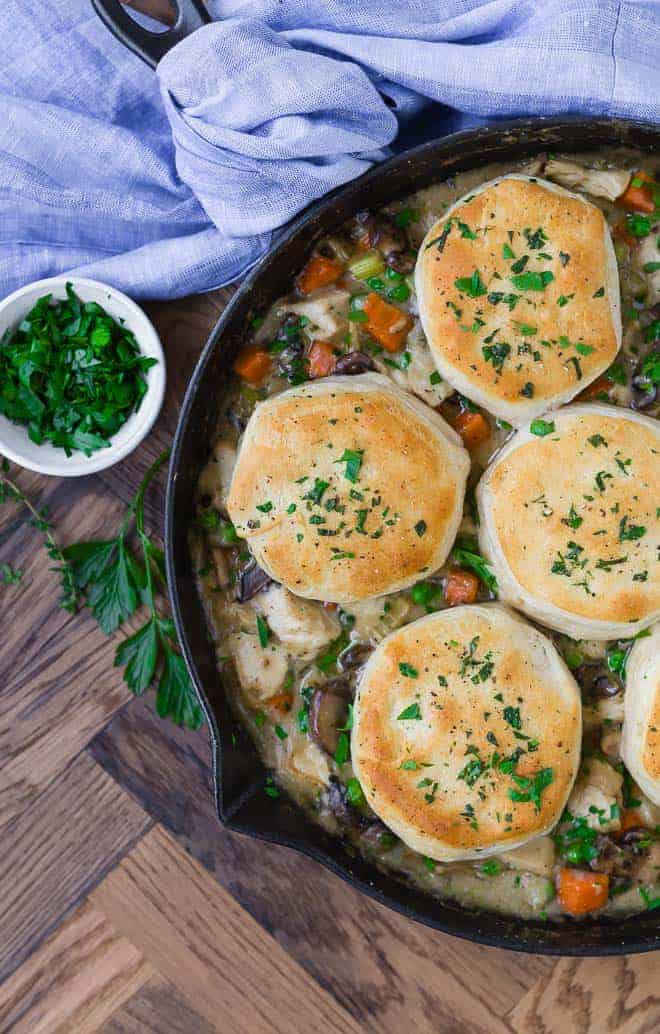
(383, 969)
(593, 996)
(205, 944)
(58, 686)
(77, 979)
(158, 1008)
(57, 850)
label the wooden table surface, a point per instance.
(126, 908)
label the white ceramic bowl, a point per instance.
(46, 459)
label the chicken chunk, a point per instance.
(596, 796)
(305, 760)
(647, 257)
(374, 619)
(607, 183)
(216, 477)
(303, 626)
(261, 670)
(420, 376)
(538, 856)
(326, 310)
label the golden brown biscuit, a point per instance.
(640, 739)
(569, 521)
(518, 294)
(466, 732)
(348, 487)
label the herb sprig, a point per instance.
(10, 492)
(116, 581)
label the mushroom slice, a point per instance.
(328, 715)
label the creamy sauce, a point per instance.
(290, 665)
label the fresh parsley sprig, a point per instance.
(116, 581)
(10, 492)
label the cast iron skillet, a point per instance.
(238, 773)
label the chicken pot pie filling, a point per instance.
(292, 665)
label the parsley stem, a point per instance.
(9, 491)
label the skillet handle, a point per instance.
(151, 46)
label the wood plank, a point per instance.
(387, 971)
(205, 944)
(78, 978)
(157, 1008)
(593, 996)
(59, 686)
(57, 850)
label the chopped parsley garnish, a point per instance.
(496, 354)
(341, 753)
(573, 521)
(542, 427)
(512, 717)
(354, 793)
(630, 532)
(596, 440)
(465, 555)
(411, 713)
(473, 286)
(491, 867)
(536, 239)
(281, 733)
(638, 225)
(408, 670)
(531, 787)
(532, 281)
(466, 231)
(353, 460)
(263, 631)
(474, 769)
(264, 507)
(420, 528)
(316, 493)
(442, 239)
(599, 293)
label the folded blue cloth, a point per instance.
(172, 183)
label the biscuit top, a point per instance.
(348, 488)
(466, 732)
(518, 295)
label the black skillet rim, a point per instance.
(635, 934)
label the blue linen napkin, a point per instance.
(173, 183)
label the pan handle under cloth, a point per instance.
(151, 46)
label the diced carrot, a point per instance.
(630, 818)
(322, 359)
(319, 272)
(472, 427)
(252, 364)
(602, 385)
(580, 891)
(461, 586)
(638, 195)
(386, 323)
(331, 606)
(280, 702)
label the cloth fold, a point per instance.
(169, 183)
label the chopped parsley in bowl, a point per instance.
(82, 376)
